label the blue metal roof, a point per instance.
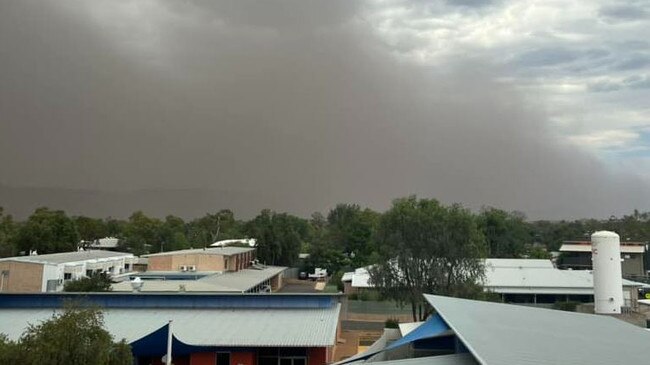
(187, 300)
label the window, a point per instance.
(223, 358)
(282, 356)
(89, 273)
(67, 276)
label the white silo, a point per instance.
(608, 281)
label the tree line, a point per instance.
(348, 236)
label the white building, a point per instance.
(41, 273)
(523, 281)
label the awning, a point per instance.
(433, 327)
(155, 344)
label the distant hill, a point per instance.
(190, 203)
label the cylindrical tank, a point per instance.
(608, 280)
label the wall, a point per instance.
(242, 358)
(317, 355)
(52, 272)
(632, 265)
(203, 358)
(276, 282)
(159, 263)
(202, 262)
(24, 277)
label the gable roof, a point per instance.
(498, 333)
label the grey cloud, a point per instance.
(547, 57)
(267, 111)
(639, 82)
(472, 3)
(623, 13)
(633, 62)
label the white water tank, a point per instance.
(608, 280)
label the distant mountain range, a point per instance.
(21, 201)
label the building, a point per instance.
(222, 329)
(356, 281)
(254, 279)
(523, 281)
(576, 255)
(539, 282)
(106, 243)
(202, 259)
(469, 332)
(48, 273)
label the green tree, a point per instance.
(116, 227)
(428, 248)
(73, 337)
(48, 231)
(279, 236)
(142, 234)
(210, 228)
(8, 230)
(98, 282)
(90, 229)
(173, 234)
(350, 230)
(506, 233)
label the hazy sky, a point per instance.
(538, 106)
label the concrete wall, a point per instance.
(22, 277)
(276, 282)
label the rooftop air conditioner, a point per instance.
(183, 268)
(191, 268)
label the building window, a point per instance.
(67, 276)
(282, 356)
(223, 358)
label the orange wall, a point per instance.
(317, 355)
(203, 358)
(242, 358)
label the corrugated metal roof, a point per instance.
(498, 333)
(224, 251)
(454, 359)
(572, 247)
(540, 280)
(314, 327)
(235, 282)
(347, 276)
(160, 286)
(519, 263)
(361, 278)
(66, 257)
(245, 279)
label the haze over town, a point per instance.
(188, 107)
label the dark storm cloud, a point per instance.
(299, 105)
